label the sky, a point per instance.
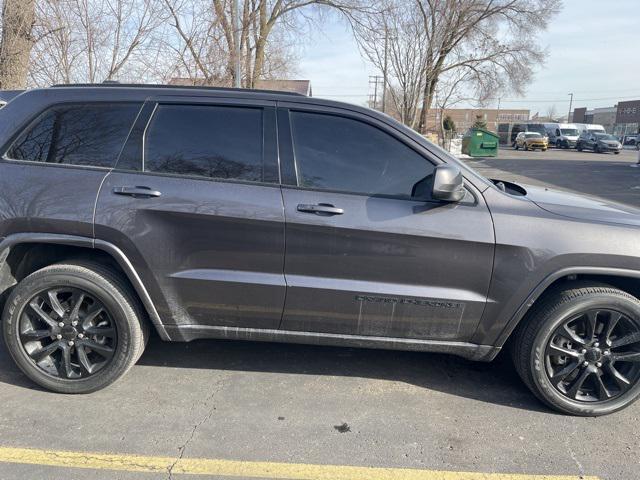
(593, 52)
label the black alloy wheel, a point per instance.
(594, 356)
(67, 332)
(74, 327)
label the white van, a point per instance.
(562, 135)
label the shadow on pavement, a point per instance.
(495, 382)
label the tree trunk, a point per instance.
(427, 97)
(15, 46)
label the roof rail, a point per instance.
(114, 84)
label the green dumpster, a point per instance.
(480, 143)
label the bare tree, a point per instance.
(17, 42)
(552, 112)
(494, 39)
(206, 44)
(92, 40)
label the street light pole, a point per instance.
(238, 71)
(570, 106)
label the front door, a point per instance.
(195, 203)
(368, 252)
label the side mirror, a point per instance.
(448, 184)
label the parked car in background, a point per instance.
(599, 143)
(531, 141)
(586, 128)
(630, 140)
(562, 135)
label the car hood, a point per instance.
(582, 207)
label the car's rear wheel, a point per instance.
(75, 327)
(579, 350)
(579, 147)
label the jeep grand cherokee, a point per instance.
(220, 213)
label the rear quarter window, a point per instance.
(78, 134)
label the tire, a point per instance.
(537, 359)
(526, 147)
(579, 147)
(596, 149)
(104, 345)
(616, 153)
(517, 146)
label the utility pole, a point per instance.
(375, 81)
(238, 71)
(570, 107)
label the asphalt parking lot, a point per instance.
(257, 410)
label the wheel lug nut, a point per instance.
(599, 364)
(596, 344)
(59, 337)
(71, 343)
(61, 324)
(74, 323)
(585, 364)
(583, 351)
(80, 335)
(607, 352)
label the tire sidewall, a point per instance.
(537, 360)
(112, 300)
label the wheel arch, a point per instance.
(623, 279)
(24, 253)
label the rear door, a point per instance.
(368, 252)
(195, 203)
(51, 171)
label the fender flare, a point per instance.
(535, 294)
(86, 242)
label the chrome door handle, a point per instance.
(325, 209)
(138, 192)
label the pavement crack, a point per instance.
(195, 428)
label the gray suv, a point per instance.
(264, 216)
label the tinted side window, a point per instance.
(336, 153)
(90, 134)
(206, 141)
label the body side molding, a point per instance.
(470, 351)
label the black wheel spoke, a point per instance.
(84, 360)
(65, 367)
(572, 335)
(76, 307)
(603, 393)
(573, 391)
(627, 357)
(622, 381)
(42, 315)
(564, 372)
(614, 318)
(100, 331)
(31, 335)
(103, 350)
(591, 319)
(68, 332)
(629, 339)
(55, 303)
(558, 350)
(44, 352)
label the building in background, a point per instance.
(464, 118)
(627, 118)
(621, 119)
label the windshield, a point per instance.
(532, 135)
(571, 132)
(604, 136)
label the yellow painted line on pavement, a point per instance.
(235, 468)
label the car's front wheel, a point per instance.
(579, 350)
(74, 327)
